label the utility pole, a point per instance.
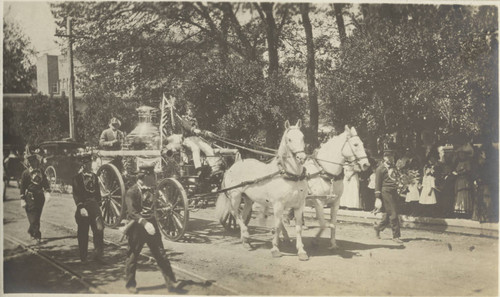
(71, 80)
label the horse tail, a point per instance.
(222, 205)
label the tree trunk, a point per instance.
(228, 12)
(311, 75)
(337, 7)
(272, 38)
(223, 50)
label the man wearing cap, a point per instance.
(386, 185)
(34, 188)
(139, 202)
(112, 138)
(196, 144)
(87, 196)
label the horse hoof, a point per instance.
(286, 241)
(276, 254)
(303, 257)
(333, 247)
(247, 246)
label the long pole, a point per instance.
(71, 81)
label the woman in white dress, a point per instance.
(350, 196)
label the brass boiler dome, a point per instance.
(146, 135)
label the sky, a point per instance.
(37, 22)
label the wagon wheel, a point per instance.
(171, 209)
(113, 194)
(229, 221)
(50, 172)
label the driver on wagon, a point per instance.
(196, 144)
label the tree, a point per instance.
(18, 71)
(407, 68)
(337, 8)
(140, 50)
(42, 119)
(311, 75)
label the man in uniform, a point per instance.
(196, 144)
(144, 229)
(112, 138)
(87, 196)
(35, 189)
(386, 195)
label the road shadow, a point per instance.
(180, 289)
(97, 273)
(206, 231)
(346, 249)
(8, 221)
(30, 274)
(49, 239)
(419, 239)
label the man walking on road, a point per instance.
(386, 195)
(144, 229)
(87, 196)
(34, 188)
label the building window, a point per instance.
(54, 88)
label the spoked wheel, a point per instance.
(50, 172)
(113, 194)
(171, 209)
(229, 221)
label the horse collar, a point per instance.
(323, 173)
(294, 177)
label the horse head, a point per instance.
(291, 150)
(354, 150)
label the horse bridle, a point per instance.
(294, 155)
(356, 158)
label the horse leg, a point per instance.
(262, 215)
(247, 209)
(321, 218)
(235, 211)
(278, 222)
(298, 227)
(333, 223)
(286, 238)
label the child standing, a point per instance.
(428, 195)
(413, 195)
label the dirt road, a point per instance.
(213, 261)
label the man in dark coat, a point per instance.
(139, 201)
(112, 138)
(34, 188)
(87, 196)
(386, 185)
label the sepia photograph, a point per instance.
(250, 148)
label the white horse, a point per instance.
(327, 164)
(281, 183)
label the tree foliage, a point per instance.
(41, 119)
(407, 68)
(400, 68)
(18, 71)
(138, 51)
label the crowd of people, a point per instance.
(442, 182)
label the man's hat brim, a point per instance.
(32, 158)
(146, 169)
(84, 160)
(389, 153)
